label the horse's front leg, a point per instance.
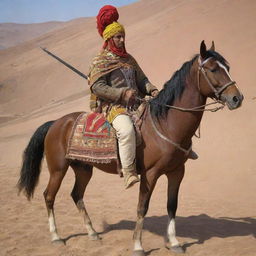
(147, 185)
(174, 180)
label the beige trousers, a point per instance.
(126, 139)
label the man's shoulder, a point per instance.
(104, 56)
(131, 60)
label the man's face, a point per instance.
(119, 40)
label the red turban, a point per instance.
(107, 15)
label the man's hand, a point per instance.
(154, 93)
(129, 97)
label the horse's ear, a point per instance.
(212, 47)
(203, 50)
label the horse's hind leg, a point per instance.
(57, 173)
(174, 180)
(83, 174)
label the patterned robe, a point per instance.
(109, 77)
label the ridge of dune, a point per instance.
(13, 34)
(26, 71)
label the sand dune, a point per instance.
(13, 34)
(217, 210)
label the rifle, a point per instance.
(65, 63)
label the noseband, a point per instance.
(217, 91)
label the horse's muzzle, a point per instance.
(232, 101)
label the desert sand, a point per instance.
(216, 215)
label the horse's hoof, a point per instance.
(58, 242)
(177, 249)
(138, 253)
(94, 237)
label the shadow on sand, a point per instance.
(199, 228)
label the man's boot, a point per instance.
(130, 176)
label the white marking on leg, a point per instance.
(171, 232)
(137, 234)
(90, 229)
(88, 223)
(137, 245)
(53, 229)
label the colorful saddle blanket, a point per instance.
(92, 139)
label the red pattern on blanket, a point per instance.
(92, 139)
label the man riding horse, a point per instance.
(169, 123)
(116, 81)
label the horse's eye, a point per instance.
(214, 70)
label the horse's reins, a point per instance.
(217, 93)
(186, 151)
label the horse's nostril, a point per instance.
(235, 99)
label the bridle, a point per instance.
(219, 90)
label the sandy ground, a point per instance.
(216, 213)
(217, 202)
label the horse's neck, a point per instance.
(183, 125)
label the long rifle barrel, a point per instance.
(65, 63)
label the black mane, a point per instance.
(174, 88)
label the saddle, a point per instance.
(93, 139)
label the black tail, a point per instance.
(32, 158)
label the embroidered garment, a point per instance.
(110, 76)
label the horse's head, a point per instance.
(214, 79)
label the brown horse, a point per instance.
(169, 123)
